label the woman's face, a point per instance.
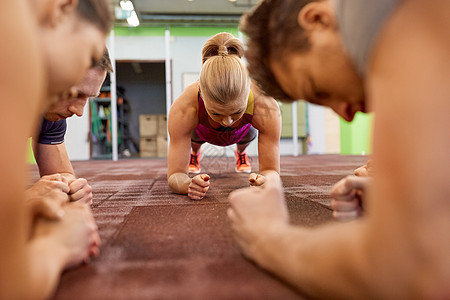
(226, 114)
(70, 48)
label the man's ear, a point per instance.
(60, 9)
(317, 15)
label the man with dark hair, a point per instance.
(390, 56)
(49, 148)
(329, 74)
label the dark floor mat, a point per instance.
(158, 245)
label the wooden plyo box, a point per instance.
(161, 146)
(148, 125)
(162, 125)
(148, 146)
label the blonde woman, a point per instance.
(223, 108)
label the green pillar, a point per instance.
(30, 154)
(356, 136)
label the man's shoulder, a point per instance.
(52, 132)
(49, 125)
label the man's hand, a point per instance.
(366, 170)
(47, 196)
(256, 179)
(348, 197)
(255, 211)
(199, 186)
(80, 190)
(75, 235)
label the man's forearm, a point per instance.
(69, 176)
(327, 262)
(179, 183)
(52, 159)
(47, 261)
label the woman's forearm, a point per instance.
(179, 183)
(265, 172)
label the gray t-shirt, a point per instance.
(360, 22)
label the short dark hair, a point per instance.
(272, 31)
(104, 63)
(98, 12)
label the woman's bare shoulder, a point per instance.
(263, 104)
(188, 98)
(266, 112)
(183, 112)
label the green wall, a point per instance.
(356, 137)
(174, 31)
(30, 154)
(286, 119)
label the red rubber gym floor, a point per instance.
(159, 245)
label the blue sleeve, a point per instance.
(52, 133)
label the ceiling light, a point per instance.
(126, 5)
(232, 0)
(133, 20)
(121, 14)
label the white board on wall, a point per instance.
(188, 78)
(77, 136)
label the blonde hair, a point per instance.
(224, 76)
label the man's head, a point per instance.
(75, 99)
(295, 52)
(72, 35)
